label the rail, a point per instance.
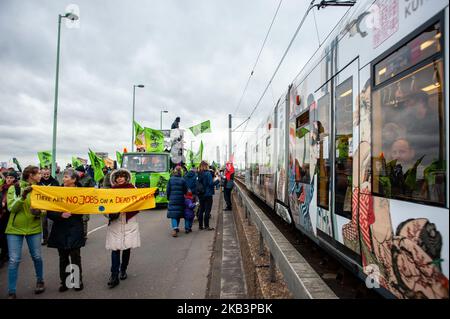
(302, 280)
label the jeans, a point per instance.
(116, 266)
(15, 243)
(175, 222)
(204, 212)
(75, 259)
(188, 223)
(227, 197)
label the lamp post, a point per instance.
(160, 119)
(132, 121)
(72, 17)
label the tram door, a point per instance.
(344, 139)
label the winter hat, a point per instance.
(12, 174)
(80, 169)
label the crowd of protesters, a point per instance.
(195, 191)
(190, 194)
(61, 230)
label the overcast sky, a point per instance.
(193, 57)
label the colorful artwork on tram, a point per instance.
(360, 149)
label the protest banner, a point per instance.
(78, 200)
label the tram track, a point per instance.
(344, 283)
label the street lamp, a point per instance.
(72, 17)
(132, 122)
(160, 118)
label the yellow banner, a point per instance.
(80, 200)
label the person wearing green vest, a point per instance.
(24, 223)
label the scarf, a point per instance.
(129, 215)
(229, 171)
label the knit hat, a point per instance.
(80, 169)
(12, 174)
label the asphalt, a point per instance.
(163, 267)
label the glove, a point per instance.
(26, 191)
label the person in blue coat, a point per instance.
(191, 180)
(176, 189)
(205, 192)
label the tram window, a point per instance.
(420, 48)
(409, 137)
(321, 131)
(344, 159)
(302, 149)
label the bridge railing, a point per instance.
(302, 280)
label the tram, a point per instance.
(355, 152)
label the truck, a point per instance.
(149, 170)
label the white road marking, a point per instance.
(95, 229)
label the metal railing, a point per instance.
(301, 279)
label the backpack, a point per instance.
(199, 188)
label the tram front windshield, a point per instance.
(145, 163)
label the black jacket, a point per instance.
(67, 233)
(50, 182)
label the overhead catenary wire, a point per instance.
(311, 6)
(317, 29)
(257, 58)
(320, 44)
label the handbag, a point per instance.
(230, 184)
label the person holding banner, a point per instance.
(24, 223)
(85, 180)
(122, 233)
(67, 236)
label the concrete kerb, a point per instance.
(302, 280)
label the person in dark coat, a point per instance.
(176, 123)
(67, 236)
(229, 184)
(46, 180)
(191, 180)
(11, 180)
(85, 180)
(205, 195)
(176, 189)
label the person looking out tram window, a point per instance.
(409, 128)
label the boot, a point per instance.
(174, 233)
(63, 288)
(113, 281)
(40, 287)
(123, 275)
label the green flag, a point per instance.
(204, 127)
(154, 140)
(189, 156)
(45, 158)
(198, 157)
(97, 165)
(139, 135)
(76, 162)
(15, 161)
(119, 158)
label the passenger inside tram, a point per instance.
(411, 137)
